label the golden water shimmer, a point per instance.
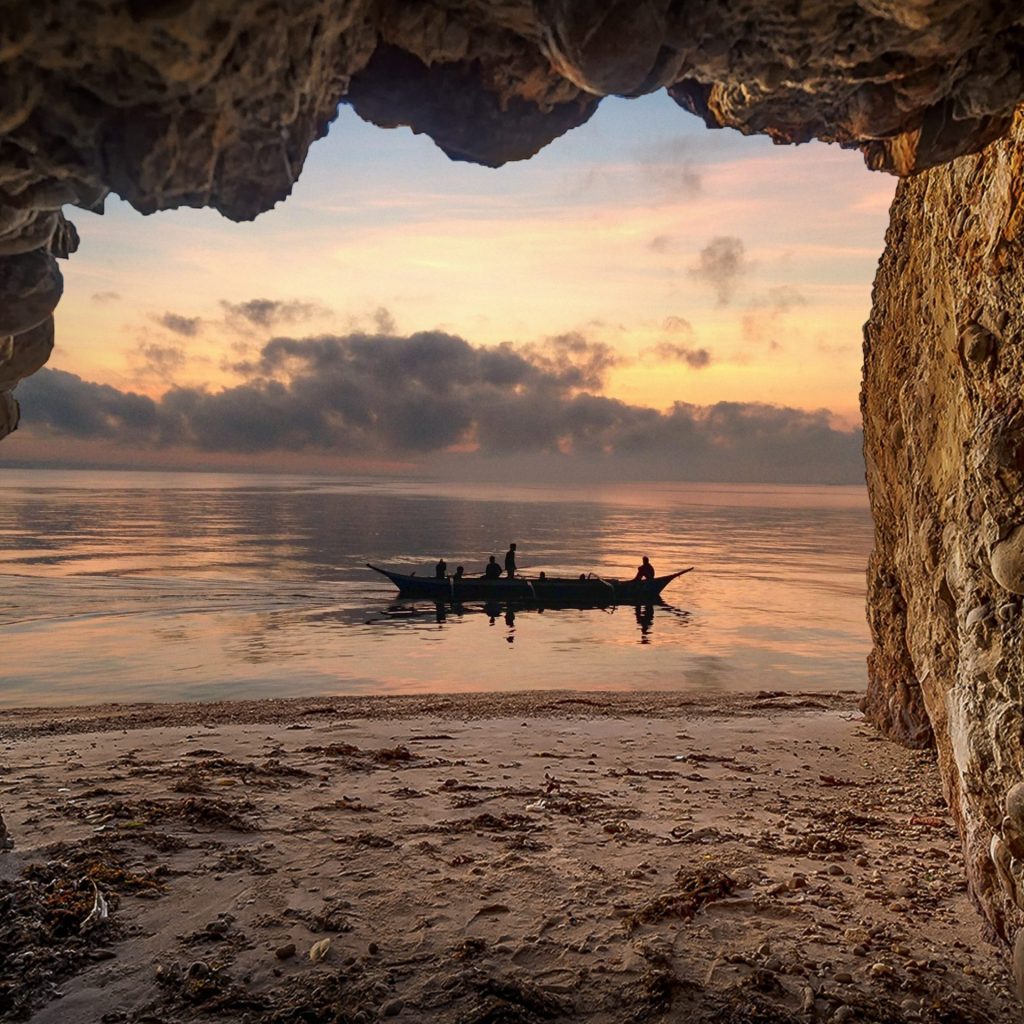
(197, 586)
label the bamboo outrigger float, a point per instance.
(547, 590)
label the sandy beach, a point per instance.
(482, 859)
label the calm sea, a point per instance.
(166, 586)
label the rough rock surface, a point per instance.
(943, 405)
(180, 103)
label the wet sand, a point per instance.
(482, 859)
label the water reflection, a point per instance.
(182, 586)
(645, 619)
(438, 612)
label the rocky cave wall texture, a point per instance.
(215, 103)
(943, 405)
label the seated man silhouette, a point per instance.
(645, 571)
(493, 570)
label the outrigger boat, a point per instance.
(550, 590)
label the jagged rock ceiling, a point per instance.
(215, 103)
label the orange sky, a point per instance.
(641, 230)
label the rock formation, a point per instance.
(180, 103)
(943, 405)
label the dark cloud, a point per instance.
(669, 165)
(269, 313)
(186, 326)
(66, 404)
(103, 298)
(162, 361)
(677, 325)
(384, 321)
(721, 264)
(429, 393)
(572, 360)
(673, 352)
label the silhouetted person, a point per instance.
(493, 570)
(440, 569)
(644, 571)
(460, 572)
(510, 561)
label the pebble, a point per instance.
(319, 950)
(285, 952)
(392, 1008)
(836, 869)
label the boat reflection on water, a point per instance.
(441, 612)
(645, 620)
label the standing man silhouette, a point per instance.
(510, 561)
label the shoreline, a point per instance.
(30, 720)
(477, 859)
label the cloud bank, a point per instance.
(437, 399)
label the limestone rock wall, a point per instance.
(215, 102)
(943, 405)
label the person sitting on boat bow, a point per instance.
(460, 572)
(493, 570)
(645, 571)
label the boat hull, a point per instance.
(592, 591)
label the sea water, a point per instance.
(197, 586)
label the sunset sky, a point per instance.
(641, 258)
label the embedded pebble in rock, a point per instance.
(978, 343)
(978, 615)
(1008, 561)
(285, 952)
